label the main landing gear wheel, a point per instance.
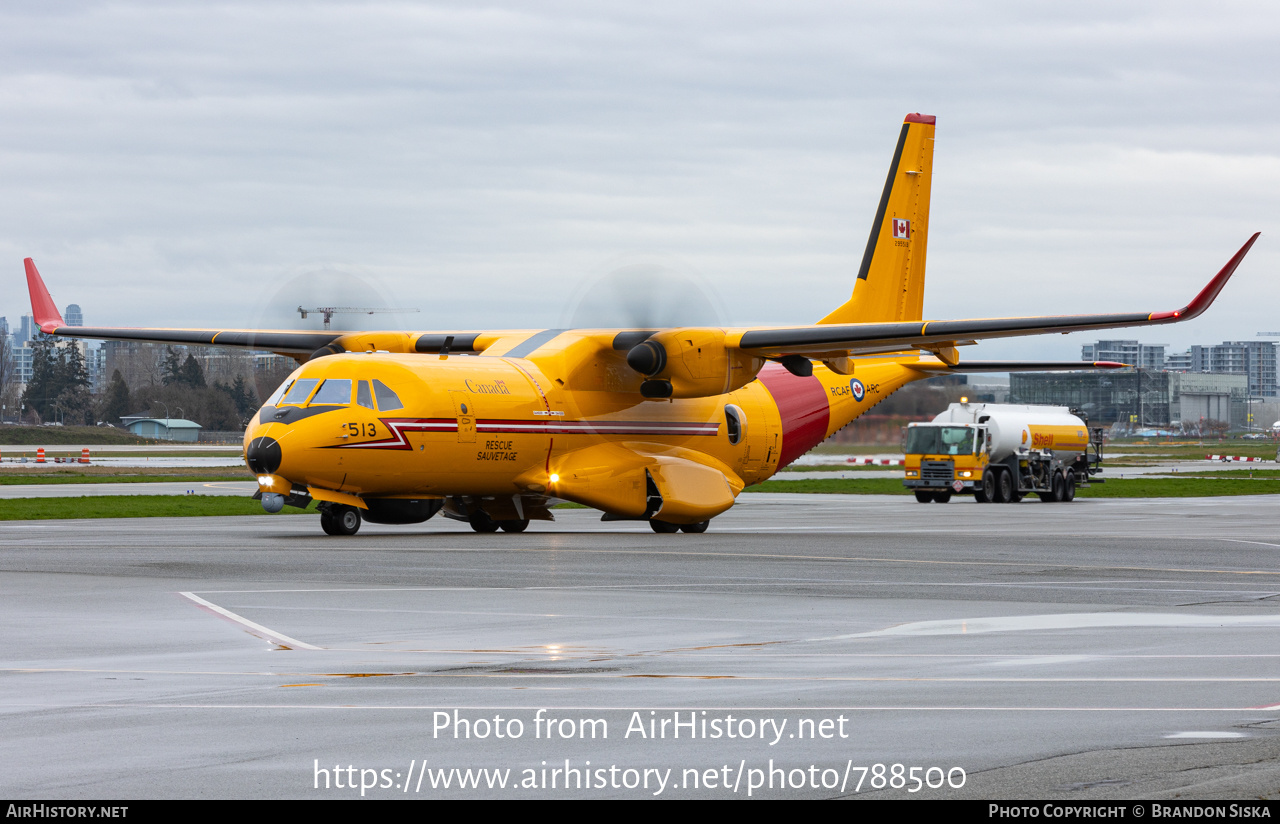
(481, 522)
(664, 527)
(941, 497)
(514, 525)
(924, 497)
(697, 529)
(340, 520)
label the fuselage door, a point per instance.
(463, 407)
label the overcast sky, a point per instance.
(216, 164)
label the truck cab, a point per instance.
(944, 459)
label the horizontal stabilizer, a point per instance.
(1022, 366)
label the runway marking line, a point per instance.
(794, 710)
(868, 559)
(259, 630)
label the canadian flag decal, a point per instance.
(901, 228)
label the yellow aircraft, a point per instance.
(660, 425)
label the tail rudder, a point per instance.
(890, 284)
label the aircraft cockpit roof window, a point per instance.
(333, 393)
(387, 400)
(299, 392)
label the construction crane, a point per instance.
(330, 311)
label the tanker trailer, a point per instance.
(1000, 452)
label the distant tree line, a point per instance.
(59, 389)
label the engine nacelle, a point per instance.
(691, 363)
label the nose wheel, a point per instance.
(340, 519)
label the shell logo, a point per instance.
(1024, 436)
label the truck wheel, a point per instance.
(1015, 495)
(1004, 487)
(924, 497)
(985, 492)
(941, 497)
(1059, 488)
(1069, 487)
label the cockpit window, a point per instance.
(279, 393)
(299, 392)
(387, 400)
(363, 396)
(333, 393)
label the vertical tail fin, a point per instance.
(890, 285)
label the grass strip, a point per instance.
(40, 480)
(836, 486)
(131, 506)
(1207, 487)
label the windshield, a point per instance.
(279, 393)
(939, 440)
(332, 393)
(299, 392)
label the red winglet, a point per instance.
(1201, 301)
(42, 305)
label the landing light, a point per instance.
(554, 478)
(264, 480)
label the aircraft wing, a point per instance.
(821, 341)
(836, 340)
(50, 321)
(284, 341)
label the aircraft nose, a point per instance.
(263, 455)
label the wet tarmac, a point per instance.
(1103, 649)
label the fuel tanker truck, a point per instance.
(1001, 452)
